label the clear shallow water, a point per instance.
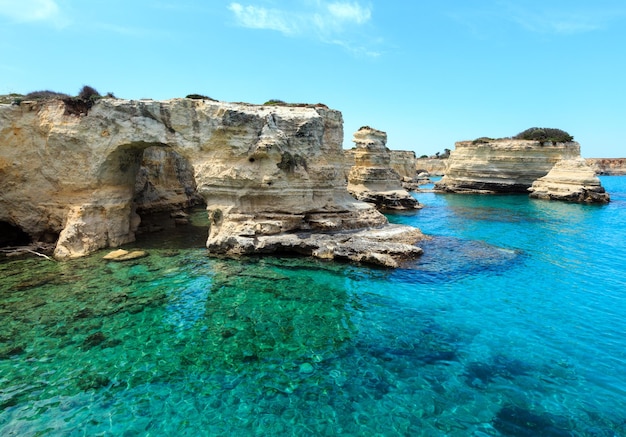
(511, 324)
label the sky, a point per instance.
(428, 73)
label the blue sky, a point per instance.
(428, 73)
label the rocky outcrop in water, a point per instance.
(372, 179)
(268, 174)
(608, 166)
(571, 180)
(501, 166)
(550, 170)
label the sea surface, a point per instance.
(512, 323)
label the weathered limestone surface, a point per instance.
(571, 180)
(403, 162)
(165, 182)
(372, 179)
(502, 166)
(267, 174)
(608, 166)
(434, 167)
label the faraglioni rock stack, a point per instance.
(549, 169)
(372, 179)
(571, 180)
(271, 177)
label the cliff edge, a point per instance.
(271, 176)
(548, 169)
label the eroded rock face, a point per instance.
(501, 166)
(165, 182)
(265, 173)
(608, 166)
(434, 167)
(570, 180)
(372, 179)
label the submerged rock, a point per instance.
(124, 255)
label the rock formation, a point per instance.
(403, 162)
(432, 166)
(501, 166)
(571, 180)
(550, 170)
(165, 182)
(271, 176)
(165, 187)
(608, 166)
(372, 179)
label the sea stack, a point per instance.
(571, 180)
(372, 179)
(502, 165)
(544, 161)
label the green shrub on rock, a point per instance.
(544, 134)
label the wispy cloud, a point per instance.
(565, 20)
(255, 17)
(331, 22)
(25, 11)
(543, 17)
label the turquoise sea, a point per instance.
(511, 324)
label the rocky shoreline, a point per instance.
(272, 177)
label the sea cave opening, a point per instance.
(12, 235)
(167, 201)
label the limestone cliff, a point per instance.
(267, 175)
(403, 162)
(372, 179)
(571, 180)
(165, 182)
(608, 166)
(501, 166)
(434, 167)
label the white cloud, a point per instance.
(33, 11)
(561, 21)
(331, 22)
(350, 11)
(255, 17)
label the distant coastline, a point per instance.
(602, 166)
(608, 166)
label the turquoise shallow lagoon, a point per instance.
(511, 324)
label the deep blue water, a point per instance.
(511, 324)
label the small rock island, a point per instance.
(546, 162)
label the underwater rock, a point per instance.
(94, 340)
(124, 255)
(516, 421)
(306, 368)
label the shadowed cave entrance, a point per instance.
(11, 235)
(164, 193)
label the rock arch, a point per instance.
(271, 176)
(111, 218)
